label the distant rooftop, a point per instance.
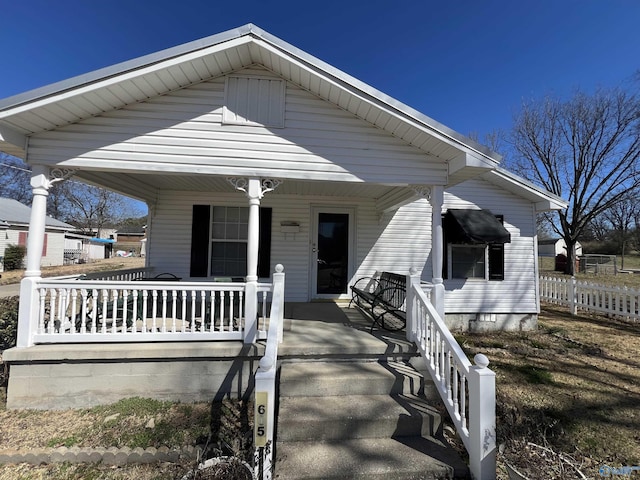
(12, 212)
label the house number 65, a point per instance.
(260, 432)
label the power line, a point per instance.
(14, 167)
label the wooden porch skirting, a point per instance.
(55, 377)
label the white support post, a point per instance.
(255, 188)
(29, 298)
(254, 194)
(40, 185)
(482, 420)
(413, 281)
(437, 246)
(278, 285)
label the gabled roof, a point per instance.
(137, 80)
(12, 212)
(542, 199)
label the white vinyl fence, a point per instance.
(621, 302)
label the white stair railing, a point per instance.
(468, 391)
(265, 389)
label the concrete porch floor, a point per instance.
(330, 329)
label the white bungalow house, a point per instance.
(251, 153)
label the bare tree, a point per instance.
(622, 216)
(585, 150)
(92, 208)
(14, 179)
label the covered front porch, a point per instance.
(43, 375)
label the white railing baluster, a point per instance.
(125, 298)
(164, 311)
(74, 310)
(84, 293)
(183, 313)
(154, 310)
(145, 309)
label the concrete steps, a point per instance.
(360, 419)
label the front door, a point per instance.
(331, 252)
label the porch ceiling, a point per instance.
(146, 186)
(137, 80)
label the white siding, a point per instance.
(183, 132)
(55, 245)
(395, 243)
(517, 292)
(55, 249)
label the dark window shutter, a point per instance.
(200, 240)
(445, 253)
(496, 261)
(264, 243)
(496, 258)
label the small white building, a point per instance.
(14, 229)
(551, 247)
(82, 248)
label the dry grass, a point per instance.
(116, 263)
(569, 390)
(224, 428)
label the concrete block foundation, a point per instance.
(56, 377)
(491, 322)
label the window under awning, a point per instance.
(474, 226)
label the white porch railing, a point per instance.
(620, 302)
(265, 390)
(118, 308)
(468, 391)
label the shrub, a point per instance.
(8, 322)
(14, 257)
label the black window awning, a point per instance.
(474, 226)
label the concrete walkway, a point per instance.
(9, 290)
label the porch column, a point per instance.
(28, 310)
(437, 246)
(255, 188)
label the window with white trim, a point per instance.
(229, 234)
(468, 261)
(219, 240)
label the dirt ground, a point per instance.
(568, 395)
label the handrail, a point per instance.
(265, 381)
(468, 391)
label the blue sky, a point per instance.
(465, 63)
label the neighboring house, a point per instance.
(82, 248)
(131, 238)
(252, 153)
(14, 226)
(550, 247)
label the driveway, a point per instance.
(9, 290)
